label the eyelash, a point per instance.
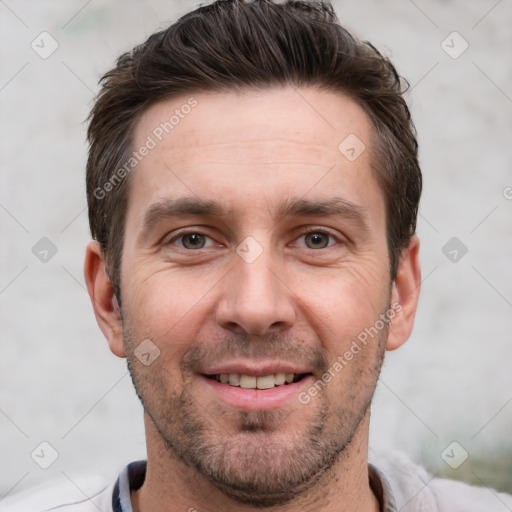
(305, 233)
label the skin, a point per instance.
(302, 301)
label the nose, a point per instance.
(255, 299)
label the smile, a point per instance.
(252, 382)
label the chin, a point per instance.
(265, 469)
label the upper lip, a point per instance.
(255, 369)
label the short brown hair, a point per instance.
(236, 45)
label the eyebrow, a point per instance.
(181, 207)
(336, 206)
(193, 206)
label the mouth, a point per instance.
(261, 382)
(255, 385)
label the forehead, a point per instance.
(264, 144)
(304, 116)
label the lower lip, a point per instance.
(258, 399)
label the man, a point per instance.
(253, 188)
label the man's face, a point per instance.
(255, 247)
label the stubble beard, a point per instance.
(254, 463)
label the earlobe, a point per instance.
(405, 293)
(103, 299)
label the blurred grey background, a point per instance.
(451, 383)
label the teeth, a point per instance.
(234, 379)
(251, 382)
(279, 379)
(247, 382)
(266, 382)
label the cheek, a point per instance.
(342, 303)
(169, 307)
(350, 290)
(368, 287)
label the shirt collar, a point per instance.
(382, 489)
(132, 477)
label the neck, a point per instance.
(172, 486)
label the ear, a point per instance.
(104, 302)
(406, 292)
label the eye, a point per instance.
(317, 240)
(191, 241)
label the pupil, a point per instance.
(193, 241)
(317, 240)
